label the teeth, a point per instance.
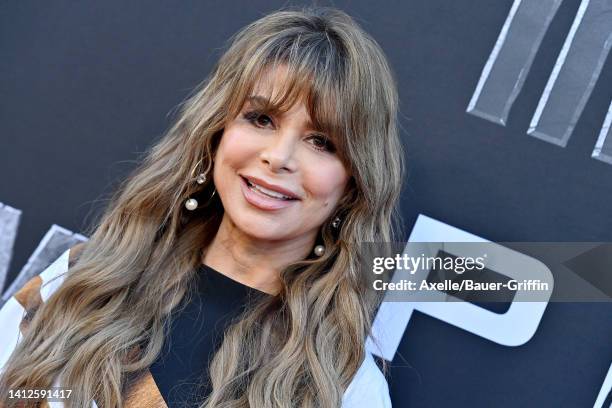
(267, 192)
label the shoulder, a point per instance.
(368, 388)
(19, 309)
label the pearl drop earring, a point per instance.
(191, 203)
(319, 250)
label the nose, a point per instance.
(279, 153)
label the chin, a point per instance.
(261, 228)
(266, 235)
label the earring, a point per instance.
(191, 203)
(319, 250)
(201, 179)
(336, 222)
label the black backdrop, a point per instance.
(86, 86)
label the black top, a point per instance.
(181, 370)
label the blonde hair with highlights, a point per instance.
(300, 347)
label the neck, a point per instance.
(254, 262)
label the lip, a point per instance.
(262, 201)
(272, 187)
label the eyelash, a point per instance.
(254, 116)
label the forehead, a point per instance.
(270, 93)
(276, 89)
(273, 82)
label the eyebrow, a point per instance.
(265, 103)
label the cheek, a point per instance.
(326, 182)
(235, 148)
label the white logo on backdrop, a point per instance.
(512, 328)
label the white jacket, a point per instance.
(368, 389)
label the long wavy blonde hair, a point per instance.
(300, 347)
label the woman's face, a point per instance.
(278, 177)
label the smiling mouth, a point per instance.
(267, 192)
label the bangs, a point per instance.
(286, 71)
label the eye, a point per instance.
(258, 119)
(322, 143)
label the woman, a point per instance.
(254, 205)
